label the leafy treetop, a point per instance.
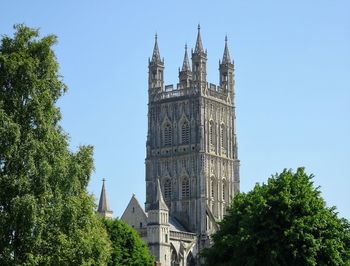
(283, 222)
(127, 246)
(46, 214)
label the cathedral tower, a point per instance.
(191, 142)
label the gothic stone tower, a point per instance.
(191, 141)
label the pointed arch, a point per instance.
(184, 129)
(167, 133)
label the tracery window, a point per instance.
(185, 133)
(167, 135)
(185, 187)
(167, 189)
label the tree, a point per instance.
(127, 246)
(46, 214)
(283, 222)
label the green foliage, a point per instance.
(127, 246)
(46, 215)
(283, 222)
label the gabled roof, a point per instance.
(133, 203)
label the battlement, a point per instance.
(170, 91)
(216, 92)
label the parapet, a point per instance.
(170, 91)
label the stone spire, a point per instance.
(159, 203)
(226, 69)
(226, 57)
(156, 54)
(103, 205)
(199, 46)
(185, 75)
(186, 63)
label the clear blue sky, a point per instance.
(292, 61)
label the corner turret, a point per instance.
(185, 75)
(155, 70)
(226, 68)
(199, 62)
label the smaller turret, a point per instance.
(103, 206)
(185, 75)
(155, 70)
(226, 59)
(226, 68)
(199, 62)
(199, 46)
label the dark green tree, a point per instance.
(46, 214)
(283, 222)
(127, 246)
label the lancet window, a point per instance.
(167, 135)
(185, 133)
(185, 187)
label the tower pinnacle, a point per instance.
(156, 54)
(103, 205)
(226, 57)
(159, 203)
(186, 63)
(199, 46)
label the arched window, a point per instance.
(167, 135)
(211, 132)
(185, 133)
(167, 189)
(185, 187)
(222, 136)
